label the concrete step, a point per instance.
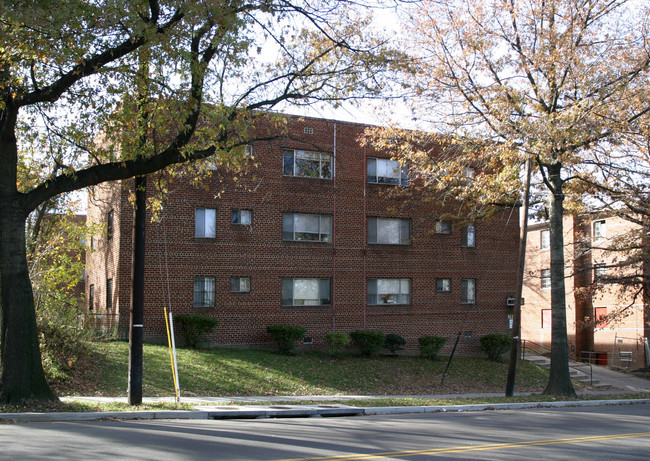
(576, 374)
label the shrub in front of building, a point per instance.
(495, 345)
(191, 327)
(335, 342)
(431, 345)
(394, 342)
(368, 342)
(285, 336)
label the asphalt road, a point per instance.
(593, 433)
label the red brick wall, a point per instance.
(106, 259)
(174, 256)
(582, 252)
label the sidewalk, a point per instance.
(602, 376)
(227, 408)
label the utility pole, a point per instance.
(516, 321)
(136, 333)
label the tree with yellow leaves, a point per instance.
(503, 81)
(68, 92)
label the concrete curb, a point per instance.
(294, 411)
(97, 416)
(500, 406)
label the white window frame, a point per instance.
(240, 284)
(468, 291)
(400, 236)
(468, 236)
(600, 271)
(205, 222)
(443, 285)
(381, 291)
(600, 229)
(545, 239)
(296, 156)
(306, 291)
(545, 276)
(204, 292)
(242, 217)
(443, 227)
(377, 169)
(291, 230)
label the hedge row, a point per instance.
(367, 342)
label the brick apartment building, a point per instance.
(595, 334)
(311, 235)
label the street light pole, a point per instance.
(516, 321)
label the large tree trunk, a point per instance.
(559, 382)
(21, 371)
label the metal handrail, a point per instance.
(576, 366)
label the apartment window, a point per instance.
(389, 231)
(468, 236)
(443, 227)
(205, 224)
(109, 294)
(240, 284)
(546, 278)
(91, 298)
(386, 171)
(203, 291)
(389, 291)
(109, 225)
(545, 239)
(600, 271)
(92, 243)
(443, 285)
(547, 319)
(244, 217)
(214, 161)
(600, 231)
(469, 174)
(307, 164)
(306, 292)
(468, 291)
(310, 227)
(600, 317)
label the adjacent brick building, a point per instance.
(596, 333)
(310, 234)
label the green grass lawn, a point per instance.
(246, 372)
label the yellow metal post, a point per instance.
(171, 357)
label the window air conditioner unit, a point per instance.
(510, 302)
